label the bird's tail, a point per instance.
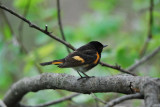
(55, 62)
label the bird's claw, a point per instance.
(86, 77)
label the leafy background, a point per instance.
(122, 24)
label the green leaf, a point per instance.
(23, 3)
(29, 65)
(45, 50)
(96, 27)
(103, 5)
(126, 56)
(7, 32)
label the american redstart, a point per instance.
(83, 59)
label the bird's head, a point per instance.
(97, 45)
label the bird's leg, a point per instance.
(80, 75)
(86, 76)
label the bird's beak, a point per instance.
(105, 46)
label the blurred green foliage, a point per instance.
(123, 25)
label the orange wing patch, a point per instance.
(78, 58)
(95, 62)
(57, 62)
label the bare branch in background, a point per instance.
(98, 99)
(14, 38)
(7, 21)
(21, 26)
(123, 98)
(150, 26)
(144, 59)
(60, 23)
(96, 103)
(136, 64)
(20, 29)
(36, 27)
(55, 102)
(117, 68)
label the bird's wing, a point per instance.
(76, 59)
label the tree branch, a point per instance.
(119, 83)
(117, 68)
(123, 98)
(36, 27)
(152, 94)
(150, 25)
(144, 59)
(60, 23)
(135, 65)
(54, 102)
(14, 38)
(21, 26)
(7, 21)
(98, 99)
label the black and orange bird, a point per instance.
(83, 59)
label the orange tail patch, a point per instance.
(56, 63)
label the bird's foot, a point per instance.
(87, 77)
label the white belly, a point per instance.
(80, 69)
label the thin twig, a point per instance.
(54, 102)
(96, 103)
(117, 68)
(21, 26)
(18, 41)
(46, 28)
(98, 99)
(144, 59)
(60, 23)
(150, 26)
(15, 39)
(123, 98)
(36, 27)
